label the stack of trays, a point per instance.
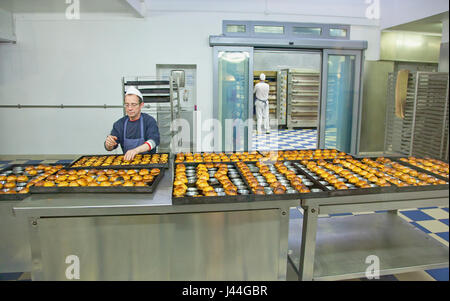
(135, 180)
(16, 180)
(117, 161)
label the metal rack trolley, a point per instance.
(303, 98)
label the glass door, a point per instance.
(233, 109)
(339, 124)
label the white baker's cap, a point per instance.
(133, 91)
(262, 76)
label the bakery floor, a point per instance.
(431, 220)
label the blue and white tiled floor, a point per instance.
(431, 220)
(286, 139)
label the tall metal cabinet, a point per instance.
(161, 102)
(282, 97)
(302, 98)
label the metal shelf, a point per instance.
(303, 92)
(343, 244)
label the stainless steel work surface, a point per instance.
(344, 243)
(15, 254)
(160, 201)
(235, 245)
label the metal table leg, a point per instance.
(308, 246)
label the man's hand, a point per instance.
(129, 155)
(110, 142)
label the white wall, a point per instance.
(396, 12)
(57, 61)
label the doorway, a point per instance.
(294, 78)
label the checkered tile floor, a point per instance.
(431, 220)
(286, 139)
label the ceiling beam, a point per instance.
(139, 7)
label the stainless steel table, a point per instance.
(15, 254)
(145, 237)
(337, 248)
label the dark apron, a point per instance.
(132, 143)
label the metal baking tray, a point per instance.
(410, 188)
(288, 196)
(153, 165)
(21, 196)
(284, 150)
(204, 162)
(186, 200)
(100, 189)
(354, 191)
(419, 169)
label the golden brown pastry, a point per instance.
(102, 178)
(74, 184)
(22, 179)
(128, 184)
(25, 190)
(137, 178)
(72, 178)
(140, 184)
(144, 172)
(63, 184)
(82, 182)
(9, 185)
(105, 184)
(11, 178)
(92, 184)
(49, 184)
(155, 172)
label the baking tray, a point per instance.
(354, 191)
(309, 159)
(407, 188)
(186, 200)
(204, 162)
(152, 165)
(99, 189)
(419, 169)
(21, 196)
(288, 196)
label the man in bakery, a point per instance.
(137, 133)
(262, 105)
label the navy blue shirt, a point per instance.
(151, 130)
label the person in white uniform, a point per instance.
(262, 104)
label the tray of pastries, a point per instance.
(16, 179)
(437, 167)
(368, 175)
(220, 157)
(409, 176)
(346, 177)
(117, 161)
(133, 180)
(208, 183)
(280, 180)
(298, 155)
